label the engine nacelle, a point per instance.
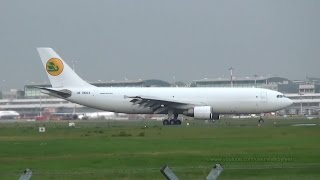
(202, 112)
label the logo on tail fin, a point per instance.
(54, 66)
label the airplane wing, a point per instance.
(159, 105)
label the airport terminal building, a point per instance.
(274, 83)
(31, 102)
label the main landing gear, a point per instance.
(172, 121)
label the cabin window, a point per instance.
(280, 96)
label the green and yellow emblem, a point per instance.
(54, 66)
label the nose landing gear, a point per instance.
(260, 120)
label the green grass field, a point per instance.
(127, 150)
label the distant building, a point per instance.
(309, 88)
(30, 90)
(303, 104)
(33, 107)
(155, 83)
(313, 80)
(12, 94)
(127, 83)
(274, 83)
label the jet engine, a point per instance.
(202, 112)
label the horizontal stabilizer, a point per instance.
(64, 93)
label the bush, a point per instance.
(122, 134)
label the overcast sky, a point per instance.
(145, 39)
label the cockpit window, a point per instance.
(280, 96)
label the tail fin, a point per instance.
(59, 73)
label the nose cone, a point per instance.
(289, 102)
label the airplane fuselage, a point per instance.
(222, 100)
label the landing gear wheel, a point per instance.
(165, 122)
(172, 122)
(178, 122)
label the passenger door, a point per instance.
(263, 97)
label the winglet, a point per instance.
(59, 73)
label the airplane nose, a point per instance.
(290, 102)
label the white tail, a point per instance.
(59, 73)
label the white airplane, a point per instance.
(200, 103)
(9, 115)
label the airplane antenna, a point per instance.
(255, 80)
(231, 76)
